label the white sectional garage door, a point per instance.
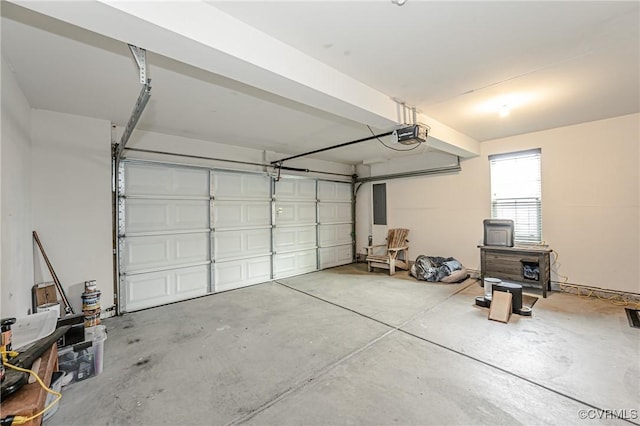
(163, 235)
(335, 224)
(189, 231)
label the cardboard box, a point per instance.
(500, 306)
(45, 293)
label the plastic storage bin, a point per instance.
(97, 335)
(86, 359)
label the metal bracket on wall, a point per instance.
(140, 57)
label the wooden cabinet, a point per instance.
(527, 266)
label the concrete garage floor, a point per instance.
(344, 346)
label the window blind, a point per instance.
(516, 192)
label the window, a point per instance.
(379, 203)
(516, 192)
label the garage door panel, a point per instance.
(190, 281)
(335, 256)
(294, 238)
(258, 241)
(331, 235)
(157, 288)
(285, 264)
(334, 212)
(227, 214)
(190, 182)
(144, 252)
(229, 186)
(162, 251)
(149, 180)
(284, 238)
(227, 243)
(242, 222)
(295, 263)
(259, 213)
(192, 215)
(147, 215)
(148, 286)
(144, 215)
(290, 213)
(241, 243)
(239, 214)
(259, 269)
(241, 273)
(164, 226)
(192, 247)
(295, 189)
(228, 275)
(334, 191)
(145, 179)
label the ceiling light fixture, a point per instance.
(399, 2)
(502, 105)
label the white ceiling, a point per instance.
(554, 63)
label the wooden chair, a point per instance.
(394, 254)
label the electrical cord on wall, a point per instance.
(19, 420)
(555, 260)
(588, 293)
(390, 147)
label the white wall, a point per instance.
(71, 198)
(430, 160)
(590, 190)
(440, 211)
(16, 277)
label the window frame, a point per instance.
(524, 210)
